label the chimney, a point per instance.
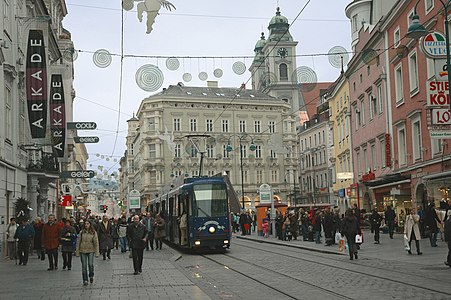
(243, 86)
(212, 84)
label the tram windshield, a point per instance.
(211, 200)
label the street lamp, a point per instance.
(252, 147)
(417, 30)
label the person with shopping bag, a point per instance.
(350, 229)
(412, 230)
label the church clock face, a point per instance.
(282, 52)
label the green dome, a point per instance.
(278, 20)
(278, 28)
(260, 43)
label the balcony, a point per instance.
(45, 163)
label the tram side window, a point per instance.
(211, 200)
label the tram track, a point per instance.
(342, 268)
(227, 266)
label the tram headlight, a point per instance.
(211, 229)
(226, 242)
(197, 243)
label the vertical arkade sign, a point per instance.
(57, 114)
(36, 83)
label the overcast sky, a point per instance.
(197, 28)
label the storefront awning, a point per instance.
(390, 184)
(388, 180)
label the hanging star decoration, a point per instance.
(152, 7)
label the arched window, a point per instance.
(283, 72)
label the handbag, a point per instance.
(406, 243)
(337, 237)
(358, 239)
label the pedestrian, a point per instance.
(183, 228)
(115, 233)
(11, 240)
(37, 242)
(305, 222)
(265, 227)
(122, 232)
(87, 247)
(243, 222)
(159, 231)
(430, 222)
(328, 225)
(105, 234)
(254, 220)
(67, 238)
(50, 241)
(149, 221)
(350, 228)
(279, 225)
(412, 230)
(317, 227)
(375, 221)
(24, 234)
(136, 234)
(447, 234)
(390, 220)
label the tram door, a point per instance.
(171, 220)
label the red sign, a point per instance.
(66, 200)
(437, 93)
(368, 177)
(441, 116)
(387, 150)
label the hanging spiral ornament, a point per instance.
(369, 56)
(239, 68)
(338, 55)
(218, 73)
(203, 76)
(306, 77)
(127, 4)
(102, 58)
(70, 54)
(187, 77)
(149, 78)
(172, 63)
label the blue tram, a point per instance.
(200, 203)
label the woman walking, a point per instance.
(68, 234)
(87, 247)
(160, 231)
(412, 230)
(350, 228)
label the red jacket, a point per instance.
(50, 236)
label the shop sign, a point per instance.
(440, 134)
(433, 45)
(66, 200)
(441, 116)
(437, 93)
(387, 150)
(345, 175)
(77, 174)
(57, 114)
(369, 176)
(134, 198)
(86, 139)
(441, 70)
(36, 83)
(341, 193)
(81, 125)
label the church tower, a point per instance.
(279, 52)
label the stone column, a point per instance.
(32, 195)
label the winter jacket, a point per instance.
(37, 236)
(390, 215)
(105, 235)
(412, 224)
(136, 235)
(350, 228)
(11, 232)
(50, 236)
(375, 220)
(160, 228)
(448, 230)
(24, 233)
(87, 242)
(67, 238)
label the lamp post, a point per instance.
(416, 30)
(252, 147)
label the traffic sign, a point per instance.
(77, 174)
(81, 125)
(134, 199)
(86, 139)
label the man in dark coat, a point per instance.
(375, 221)
(328, 226)
(136, 233)
(25, 234)
(430, 223)
(243, 221)
(448, 240)
(105, 233)
(390, 220)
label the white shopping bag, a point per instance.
(337, 237)
(358, 239)
(406, 243)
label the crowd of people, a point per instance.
(86, 238)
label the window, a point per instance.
(176, 124)
(283, 72)
(354, 23)
(365, 161)
(362, 112)
(273, 154)
(245, 176)
(373, 156)
(410, 18)
(152, 151)
(178, 152)
(382, 151)
(396, 37)
(436, 147)
(429, 5)
(193, 152)
(225, 125)
(380, 98)
(193, 125)
(402, 157)
(209, 125)
(258, 151)
(413, 72)
(357, 118)
(242, 126)
(210, 200)
(274, 176)
(399, 93)
(357, 160)
(243, 149)
(259, 174)
(257, 126)
(430, 67)
(373, 105)
(272, 126)
(152, 124)
(416, 139)
(210, 151)
(225, 153)
(8, 113)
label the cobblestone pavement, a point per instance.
(113, 279)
